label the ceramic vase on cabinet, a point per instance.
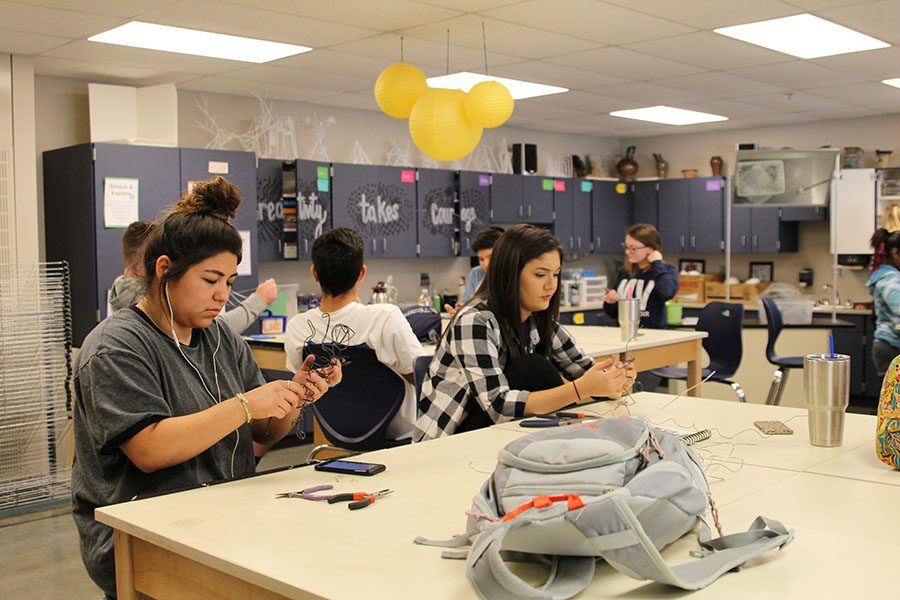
(627, 168)
(715, 164)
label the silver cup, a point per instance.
(629, 317)
(826, 386)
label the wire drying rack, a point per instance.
(35, 376)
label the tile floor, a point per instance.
(39, 556)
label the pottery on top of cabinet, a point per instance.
(627, 167)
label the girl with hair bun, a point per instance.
(884, 285)
(165, 397)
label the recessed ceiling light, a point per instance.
(519, 89)
(803, 35)
(151, 36)
(668, 115)
(893, 82)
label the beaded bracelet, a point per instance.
(246, 406)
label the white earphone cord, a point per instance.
(218, 397)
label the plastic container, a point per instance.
(674, 313)
(793, 312)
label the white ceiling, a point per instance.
(613, 54)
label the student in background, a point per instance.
(884, 285)
(890, 221)
(645, 275)
(338, 266)
(128, 288)
(504, 354)
(483, 245)
(165, 396)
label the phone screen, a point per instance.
(353, 468)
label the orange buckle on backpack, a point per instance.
(573, 501)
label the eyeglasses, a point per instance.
(628, 248)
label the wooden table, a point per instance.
(237, 541)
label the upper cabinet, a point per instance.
(436, 201)
(645, 201)
(611, 216)
(313, 204)
(537, 199)
(692, 214)
(378, 202)
(761, 229)
(521, 199)
(270, 210)
(474, 207)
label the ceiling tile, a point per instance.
(17, 42)
(552, 74)
(115, 8)
(384, 16)
(300, 77)
(531, 110)
(239, 87)
(873, 65)
(710, 50)
(329, 61)
(709, 14)
(823, 4)
(28, 18)
(103, 73)
(590, 20)
(147, 59)
(584, 101)
(473, 5)
(650, 94)
(861, 94)
(429, 56)
(208, 15)
(359, 101)
(796, 75)
(626, 64)
(795, 102)
(878, 19)
(514, 39)
(720, 85)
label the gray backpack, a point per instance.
(617, 489)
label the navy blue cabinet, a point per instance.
(506, 198)
(537, 200)
(269, 210)
(611, 216)
(760, 229)
(239, 168)
(582, 204)
(380, 203)
(692, 214)
(75, 229)
(313, 204)
(474, 207)
(804, 213)
(436, 199)
(645, 202)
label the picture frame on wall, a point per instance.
(689, 265)
(764, 271)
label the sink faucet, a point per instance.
(837, 295)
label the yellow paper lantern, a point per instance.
(397, 89)
(489, 104)
(438, 125)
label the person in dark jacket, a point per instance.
(645, 275)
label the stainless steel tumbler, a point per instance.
(826, 386)
(629, 317)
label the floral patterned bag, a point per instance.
(887, 435)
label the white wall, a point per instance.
(693, 151)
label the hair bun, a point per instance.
(217, 197)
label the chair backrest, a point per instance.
(774, 324)
(420, 372)
(356, 413)
(723, 321)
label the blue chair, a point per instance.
(355, 414)
(783, 364)
(723, 321)
(420, 372)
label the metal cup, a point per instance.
(629, 317)
(826, 386)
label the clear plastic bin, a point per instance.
(793, 312)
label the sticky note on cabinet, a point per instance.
(559, 185)
(713, 185)
(578, 318)
(322, 173)
(484, 180)
(407, 176)
(547, 185)
(587, 186)
(621, 188)
(322, 185)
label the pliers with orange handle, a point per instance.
(358, 499)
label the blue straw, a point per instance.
(831, 344)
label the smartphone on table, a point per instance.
(350, 467)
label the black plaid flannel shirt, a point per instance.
(468, 366)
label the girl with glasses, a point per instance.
(645, 275)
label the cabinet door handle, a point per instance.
(571, 244)
(384, 245)
(305, 245)
(374, 247)
(529, 210)
(693, 241)
(743, 241)
(468, 243)
(598, 243)
(682, 242)
(579, 241)
(756, 241)
(520, 210)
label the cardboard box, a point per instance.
(692, 288)
(745, 293)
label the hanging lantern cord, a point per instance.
(401, 48)
(448, 51)
(484, 46)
